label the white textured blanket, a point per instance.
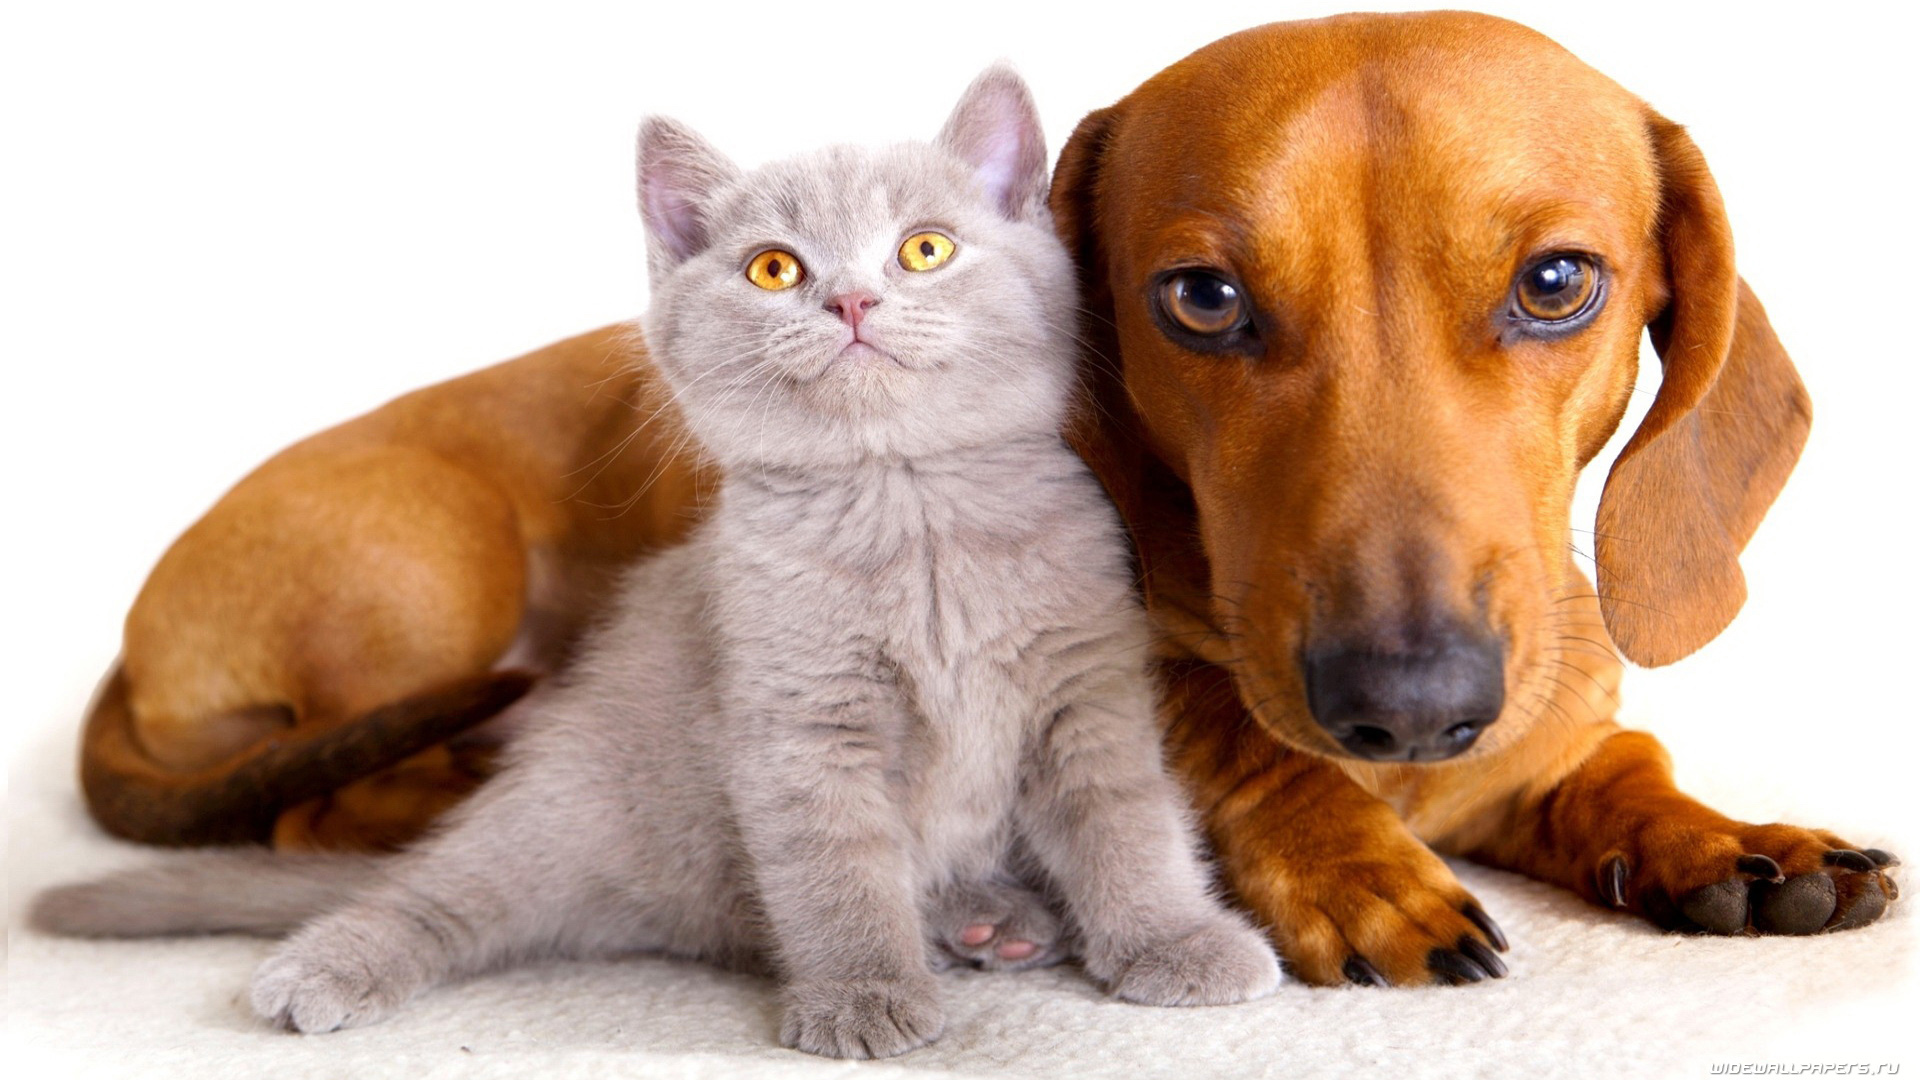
(1591, 994)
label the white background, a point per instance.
(226, 227)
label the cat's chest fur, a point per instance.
(962, 589)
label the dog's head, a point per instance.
(1366, 294)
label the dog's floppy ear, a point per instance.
(1156, 505)
(1074, 200)
(1687, 492)
(1102, 428)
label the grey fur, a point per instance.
(223, 890)
(895, 685)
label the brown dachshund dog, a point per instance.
(1363, 322)
(1356, 326)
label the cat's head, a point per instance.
(854, 303)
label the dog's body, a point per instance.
(403, 558)
(1348, 476)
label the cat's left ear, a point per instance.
(996, 130)
(679, 170)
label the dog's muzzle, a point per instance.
(1425, 704)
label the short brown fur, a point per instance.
(382, 568)
(1393, 453)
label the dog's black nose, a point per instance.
(1422, 704)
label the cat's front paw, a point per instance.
(862, 1018)
(298, 989)
(1223, 962)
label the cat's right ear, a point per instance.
(679, 171)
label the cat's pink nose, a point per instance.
(852, 307)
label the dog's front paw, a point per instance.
(862, 1018)
(1389, 913)
(299, 989)
(1223, 962)
(1724, 877)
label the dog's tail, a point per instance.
(239, 890)
(236, 802)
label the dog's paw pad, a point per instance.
(1719, 908)
(1864, 898)
(1799, 905)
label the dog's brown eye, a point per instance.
(1203, 303)
(1556, 288)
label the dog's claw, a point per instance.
(1850, 860)
(1455, 968)
(1361, 973)
(1478, 916)
(1760, 866)
(1613, 881)
(1800, 906)
(1478, 952)
(1880, 858)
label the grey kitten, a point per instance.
(889, 708)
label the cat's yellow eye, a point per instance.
(774, 270)
(924, 251)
